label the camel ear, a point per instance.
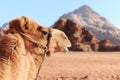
(61, 38)
(19, 24)
(25, 23)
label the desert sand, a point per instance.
(81, 66)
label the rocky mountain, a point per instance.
(98, 25)
(82, 39)
(5, 26)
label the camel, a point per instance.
(22, 49)
(24, 46)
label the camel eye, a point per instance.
(44, 33)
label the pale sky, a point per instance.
(47, 12)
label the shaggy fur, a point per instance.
(19, 57)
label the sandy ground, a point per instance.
(81, 66)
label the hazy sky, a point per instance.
(46, 12)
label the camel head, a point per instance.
(34, 34)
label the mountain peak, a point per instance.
(84, 9)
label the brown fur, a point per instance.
(19, 57)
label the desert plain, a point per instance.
(81, 66)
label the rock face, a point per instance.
(106, 45)
(82, 39)
(98, 25)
